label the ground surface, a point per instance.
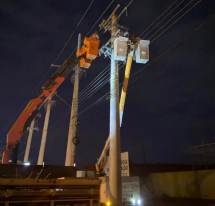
(178, 202)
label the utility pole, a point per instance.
(28, 146)
(115, 182)
(115, 142)
(73, 125)
(118, 48)
(48, 106)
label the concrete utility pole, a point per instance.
(48, 106)
(121, 105)
(28, 146)
(70, 152)
(115, 144)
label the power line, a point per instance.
(97, 88)
(96, 84)
(95, 79)
(102, 83)
(24, 104)
(46, 72)
(172, 18)
(157, 18)
(163, 18)
(91, 86)
(176, 21)
(73, 31)
(93, 26)
(87, 96)
(54, 62)
(106, 95)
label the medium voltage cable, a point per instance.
(89, 86)
(48, 137)
(156, 58)
(93, 26)
(163, 18)
(133, 80)
(73, 32)
(166, 30)
(157, 18)
(96, 84)
(175, 21)
(173, 18)
(94, 80)
(97, 88)
(85, 36)
(47, 71)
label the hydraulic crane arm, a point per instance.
(34, 105)
(84, 57)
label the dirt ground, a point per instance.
(178, 202)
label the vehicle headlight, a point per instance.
(139, 202)
(133, 201)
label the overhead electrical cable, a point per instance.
(163, 19)
(106, 96)
(46, 72)
(73, 31)
(99, 80)
(88, 87)
(95, 80)
(175, 21)
(173, 17)
(157, 18)
(23, 105)
(97, 88)
(93, 25)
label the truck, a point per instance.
(50, 192)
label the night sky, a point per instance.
(170, 107)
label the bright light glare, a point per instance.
(108, 203)
(26, 163)
(133, 201)
(138, 202)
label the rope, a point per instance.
(63, 100)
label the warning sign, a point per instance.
(124, 165)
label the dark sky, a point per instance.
(169, 108)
